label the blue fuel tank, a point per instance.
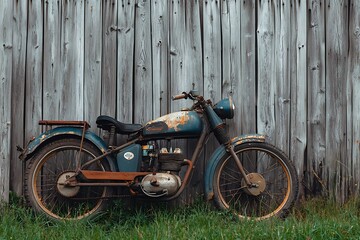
(175, 125)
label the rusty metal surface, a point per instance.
(112, 176)
(65, 123)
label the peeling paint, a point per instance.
(174, 120)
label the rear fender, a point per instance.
(63, 132)
(219, 153)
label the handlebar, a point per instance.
(184, 95)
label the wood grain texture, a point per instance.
(92, 64)
(266, 74)
(282, 74)
(336, 81)
(298, 75)
(6, 50)
(19, 29)
(316, 101)
(108, 60)
(125, 65)
(353, 100)
(160, 44)
(34, 64)
(72, 60)
(143, 82)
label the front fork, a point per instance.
(230, 149)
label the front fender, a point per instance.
(219, 153)
(59, 132)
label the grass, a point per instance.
(313, 219)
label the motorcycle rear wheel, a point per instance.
(48, 169)
(271, 172)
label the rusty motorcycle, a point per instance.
(72, 172)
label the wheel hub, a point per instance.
(63, 186)
(258, 184)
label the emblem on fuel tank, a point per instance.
(128, 155)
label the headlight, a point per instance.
(225, 108)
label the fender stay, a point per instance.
(218, 155)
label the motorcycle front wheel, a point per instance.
(274, 181)
(46, 173)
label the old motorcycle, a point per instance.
(72, 171)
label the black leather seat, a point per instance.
(105, 122)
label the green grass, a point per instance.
(313, 219)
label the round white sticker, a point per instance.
(128, 155)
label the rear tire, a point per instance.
(49, 167)
(267, 167)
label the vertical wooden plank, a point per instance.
(19, 25)
(336, 78)
(179, 82)
(160, 30)
(53, 86)
(316, 98)
(282, 74)
(354, 96)
(212, 50)
(212, 60)
(193, 57)
(231, 57)
(125, 66)
(194, 80)
(246, 89)
(143, 64)
(92, 65)
(6, 50)
(299, 87)
(266, 70)
(34, 64)
(72, 57)
(108, 61)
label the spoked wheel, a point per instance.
(46, 176)
(274, 182)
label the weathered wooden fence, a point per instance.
(293, 68)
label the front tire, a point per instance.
(50, 167)
(266, 167)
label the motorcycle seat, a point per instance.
(105, 122)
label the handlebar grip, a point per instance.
(180, 96)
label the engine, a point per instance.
(165, 180)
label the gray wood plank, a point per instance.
(266, 70)
(19, 29)
(194, 80)
(336, 112)
(212, 50)
(6, 49)
(282, 75)
(354, 97)
(125, 66)
(34, 64)
(53, 86)
(298, 87)
(92, 65)
(108, 60)
(212, 60)
(245, 113)
(316, 98)
(177, 54)
(143, 64)
(160, 43)
(72, 58)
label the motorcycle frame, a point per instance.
(204, 136)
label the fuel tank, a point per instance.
(175, 125)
